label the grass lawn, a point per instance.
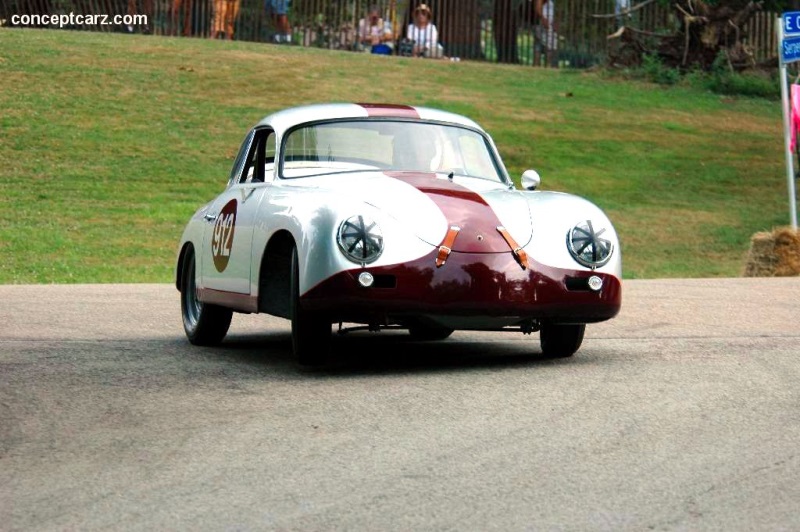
(109, 142)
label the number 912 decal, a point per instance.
(222, 240)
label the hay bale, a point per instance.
(774, 254)
(787, 251)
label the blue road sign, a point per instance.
(791, 23)
(790, 49)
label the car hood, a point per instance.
(428, 204)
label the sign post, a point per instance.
(789, 52)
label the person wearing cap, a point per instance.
(424, 34)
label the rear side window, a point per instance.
(261, 158)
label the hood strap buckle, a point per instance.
(446, 248)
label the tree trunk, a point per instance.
(705, 32)
(708, 31)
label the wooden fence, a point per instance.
(490, 30)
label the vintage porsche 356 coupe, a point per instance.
(392, 216)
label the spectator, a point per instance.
(546, 31)
(279, 9)
(424, 34)
(187, 17)
(225, 13)
(133, 9)
(374, 33)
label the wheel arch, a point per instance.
(274, 274)
(187, 247)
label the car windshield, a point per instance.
(387, 145)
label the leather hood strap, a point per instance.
(447, 245)
(519, 253)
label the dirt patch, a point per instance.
(774, 254)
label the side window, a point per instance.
(239, 161)
(270, 154)
(260, 158)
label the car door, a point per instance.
(228, 235)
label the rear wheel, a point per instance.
(311, 332)
(559, 341)
(429, 333)
(204, 324)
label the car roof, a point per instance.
(287, 118)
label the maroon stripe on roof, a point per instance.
(390, 110)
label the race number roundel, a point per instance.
(222, 239)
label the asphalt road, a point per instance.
(682, 413)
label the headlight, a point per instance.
(360, 239)
(587, 245)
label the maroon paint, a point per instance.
(468, 285)
(390, 110)
(461, 207)
(234, 300)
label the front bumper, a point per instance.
(474, 285)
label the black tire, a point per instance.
(429, 333)
(561, 341)
(311, 333)
(204, 324)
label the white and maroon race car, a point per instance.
(392, 216)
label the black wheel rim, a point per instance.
(191, 305)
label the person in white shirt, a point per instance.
(546, 31)
(375, 33)
(424, 34)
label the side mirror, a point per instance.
(531, 180)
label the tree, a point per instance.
(706, 30)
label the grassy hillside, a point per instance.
(108, 143)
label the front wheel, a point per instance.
(311, 332)
(204, 324)
(560, 341)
